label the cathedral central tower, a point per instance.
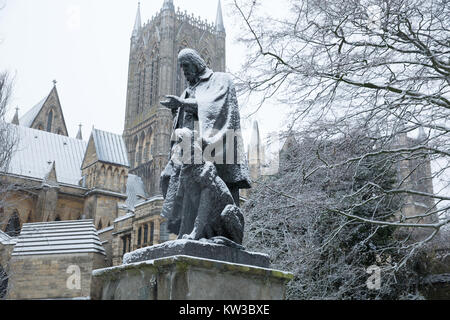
(153, 72)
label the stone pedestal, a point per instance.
(199, 249)
(186, 277)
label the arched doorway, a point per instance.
(13, 226)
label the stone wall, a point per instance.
(69, 207)
(106, 238)
(106, 210)
(31, 200)
(21, 202)
(53, 276)
(5, 254)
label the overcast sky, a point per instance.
(84, 45)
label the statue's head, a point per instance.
(192, 64)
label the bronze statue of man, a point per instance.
(207, 113)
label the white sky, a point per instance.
(84, 45)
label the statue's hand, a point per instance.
(173, 102)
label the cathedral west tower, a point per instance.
(153, 72)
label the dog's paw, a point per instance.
(191, 236)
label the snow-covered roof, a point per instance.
(110, 147)
(105, 230)
(125, 217)
(59, 237)
(135, 191)
(5, 239)
(37, 150)
(152, 199)
(28, 118)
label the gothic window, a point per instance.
(145, 233)
(144, 69)
(123, 182)
(102, 178)
(116, 178)
(133, 159)
(181, 82)
(138, 151)
(154, 76)
(139, 237)
(149, 143)
(151, 83)
(140, 81)
(152, 231)
(13, 226)
(100, 226)
(141, 148)
(49, 121)
(139, 91)
(126, 243)
(205, 55)
(146, 154)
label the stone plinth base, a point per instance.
(200, 249)
(188, 278)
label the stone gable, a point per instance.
(50, 118)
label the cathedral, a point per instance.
(80, 205)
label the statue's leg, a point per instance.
(188, 214)
(233, 223)
(234, 190)
(203, 216)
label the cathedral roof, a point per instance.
(27, 119)
(135, 191)
(59, 237)
(50, 102)
(110, 147)
(6, 239)
(37, 150)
